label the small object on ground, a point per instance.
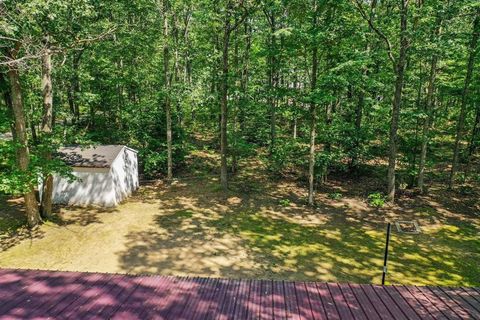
(408, 227)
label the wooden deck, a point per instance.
(28, 294)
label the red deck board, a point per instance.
(206, 300)
(202, 284)
(254, 300)
(382, 310)
(181, 295)
(327, 300)
(122, 297)
(455, 307)
(467, 297)
(31, 294)
(413, 302)
(462, 301)
(29, 288)
(398, 310)
(291, 303)
(279, 303)
(266, 300)
(473, 293)
(58, 286)
(352, 302)
(365, 303)
(438, 303)
(229, 302)
(340, 302)
(426, 303)
(318, 309)
(305, 308)
(217, 299)
(241, 309)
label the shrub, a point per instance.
(335, 195)
(376, 199)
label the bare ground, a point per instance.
(260, 229)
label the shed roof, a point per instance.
(27, 294)
(101, 156)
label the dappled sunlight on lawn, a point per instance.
(260, 228)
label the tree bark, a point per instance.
(224, 102)
(74, 87)
(47, 126)
(429, 107)
(397, 101)
(272, 78)
(313, 115)
(166, 62)
(23, 154)
(472, 148)
(358, 128)
(463, 108)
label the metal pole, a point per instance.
(385, 259)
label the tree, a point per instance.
(313, 108)
(465, 94)
(23, 153)
(398, 64)
(47, 127)
(228, 27)
(167, 87)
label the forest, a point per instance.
(313, 88)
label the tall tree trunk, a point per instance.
(272, 80)
(429, 108)
(245, 75)
(397, 101)
(23, 154)
(166, 77)
(473, 140)
(463, 108)
(74, 86)
(358, 128)
(224, 102)
(47, 126)
(313, 114)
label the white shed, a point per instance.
(106, 174)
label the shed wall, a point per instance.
(125, 174)
(93, 187)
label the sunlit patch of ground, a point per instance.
(259, 229)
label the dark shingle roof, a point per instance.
(28, 294)
(90, 157)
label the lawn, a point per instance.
(260, 229)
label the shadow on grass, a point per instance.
(212, 236)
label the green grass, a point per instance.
(348, 252)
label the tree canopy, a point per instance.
(322, 85)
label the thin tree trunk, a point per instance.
(358, 128)
(465, 93)
(313, 115)
(429, 107)
(473, 140)
(272, 82)
(74, 87)
(166, 61)
(47, 126)
(397, 101)
(245, 75)
(224, 103)
(23, 154)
